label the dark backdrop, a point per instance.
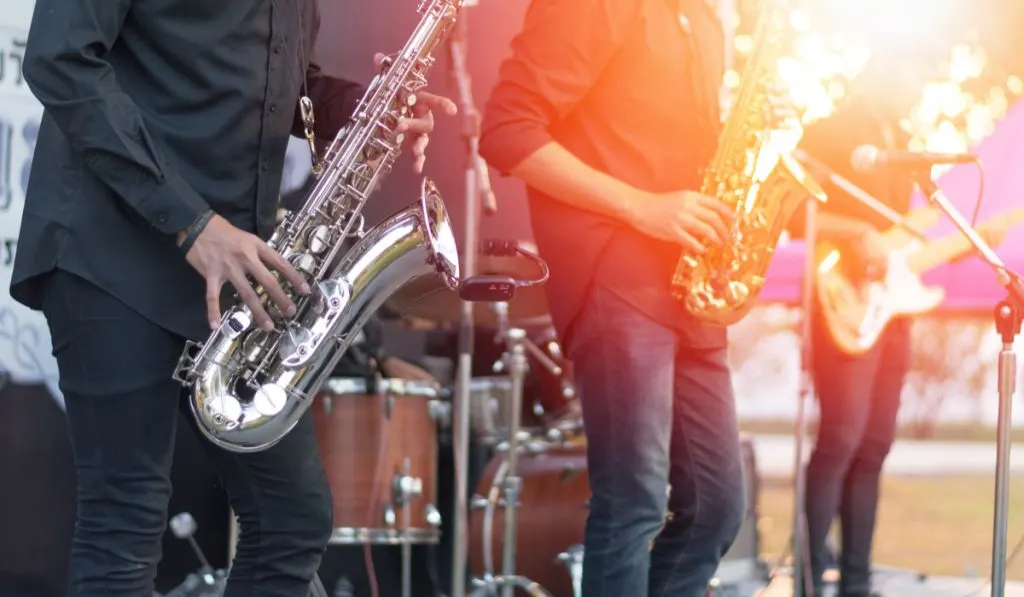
(353, 30)
(36, 475)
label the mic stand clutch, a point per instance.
(1008, 314)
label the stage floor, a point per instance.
(895, 583)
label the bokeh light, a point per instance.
(963, 92)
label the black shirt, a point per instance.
(631, 89)
(832, 141)
(156, 110)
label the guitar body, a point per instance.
(856, 313)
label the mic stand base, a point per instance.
(1008, 314)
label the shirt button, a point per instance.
(273, 107)
(265, 166)
(161, 217)
(277, 49)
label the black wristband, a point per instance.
(194, 230)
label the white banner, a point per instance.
(25, 349)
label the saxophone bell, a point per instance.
(245, 408)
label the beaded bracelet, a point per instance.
(194, 230)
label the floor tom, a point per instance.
(378, 444)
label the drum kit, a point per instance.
(379, 445)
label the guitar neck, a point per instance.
(955, 245)
(939, 252)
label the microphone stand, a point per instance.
(801, 568)
(859, 194)
(1008, 315)
(477, 184)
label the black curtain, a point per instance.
(37, 502)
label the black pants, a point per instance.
(122, 409)
(860, 399)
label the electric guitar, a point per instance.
(856, 312)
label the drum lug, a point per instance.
(440, 412)
(502, 503)
(390, 518)
(477, 502)
(328, 404)
(432, 515)
(406, 488)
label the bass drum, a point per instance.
(552, 517)
(549, 521)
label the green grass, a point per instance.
(935, 525)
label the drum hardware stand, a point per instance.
(209, 582)
(1008, 315)
(184, 526)
(501, 313)
(405, 489)
(477, 188)
(512, 483)
(573, 560)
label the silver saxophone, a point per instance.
(249, 387)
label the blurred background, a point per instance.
(963, 64)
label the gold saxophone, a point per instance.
(753, 172)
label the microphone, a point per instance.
(867, 158)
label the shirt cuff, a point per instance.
(173, 205)
(505, 146)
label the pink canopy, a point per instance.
(970, 284)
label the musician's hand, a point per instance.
(688, 218)
(873, 254)
(397, 368)
(223, 253)
(419, 127)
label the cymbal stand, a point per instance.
(1008, 315)
(515, 342)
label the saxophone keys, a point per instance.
(304, 263)
(318, 240)
(269, 399)
(224, 410)
(737, 292)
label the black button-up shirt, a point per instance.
(154, 111)
(630, 87)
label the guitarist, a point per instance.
(859, 396)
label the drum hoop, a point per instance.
(399, 388)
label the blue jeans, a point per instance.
(122, 408)
(656, 415)
(860, 399)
